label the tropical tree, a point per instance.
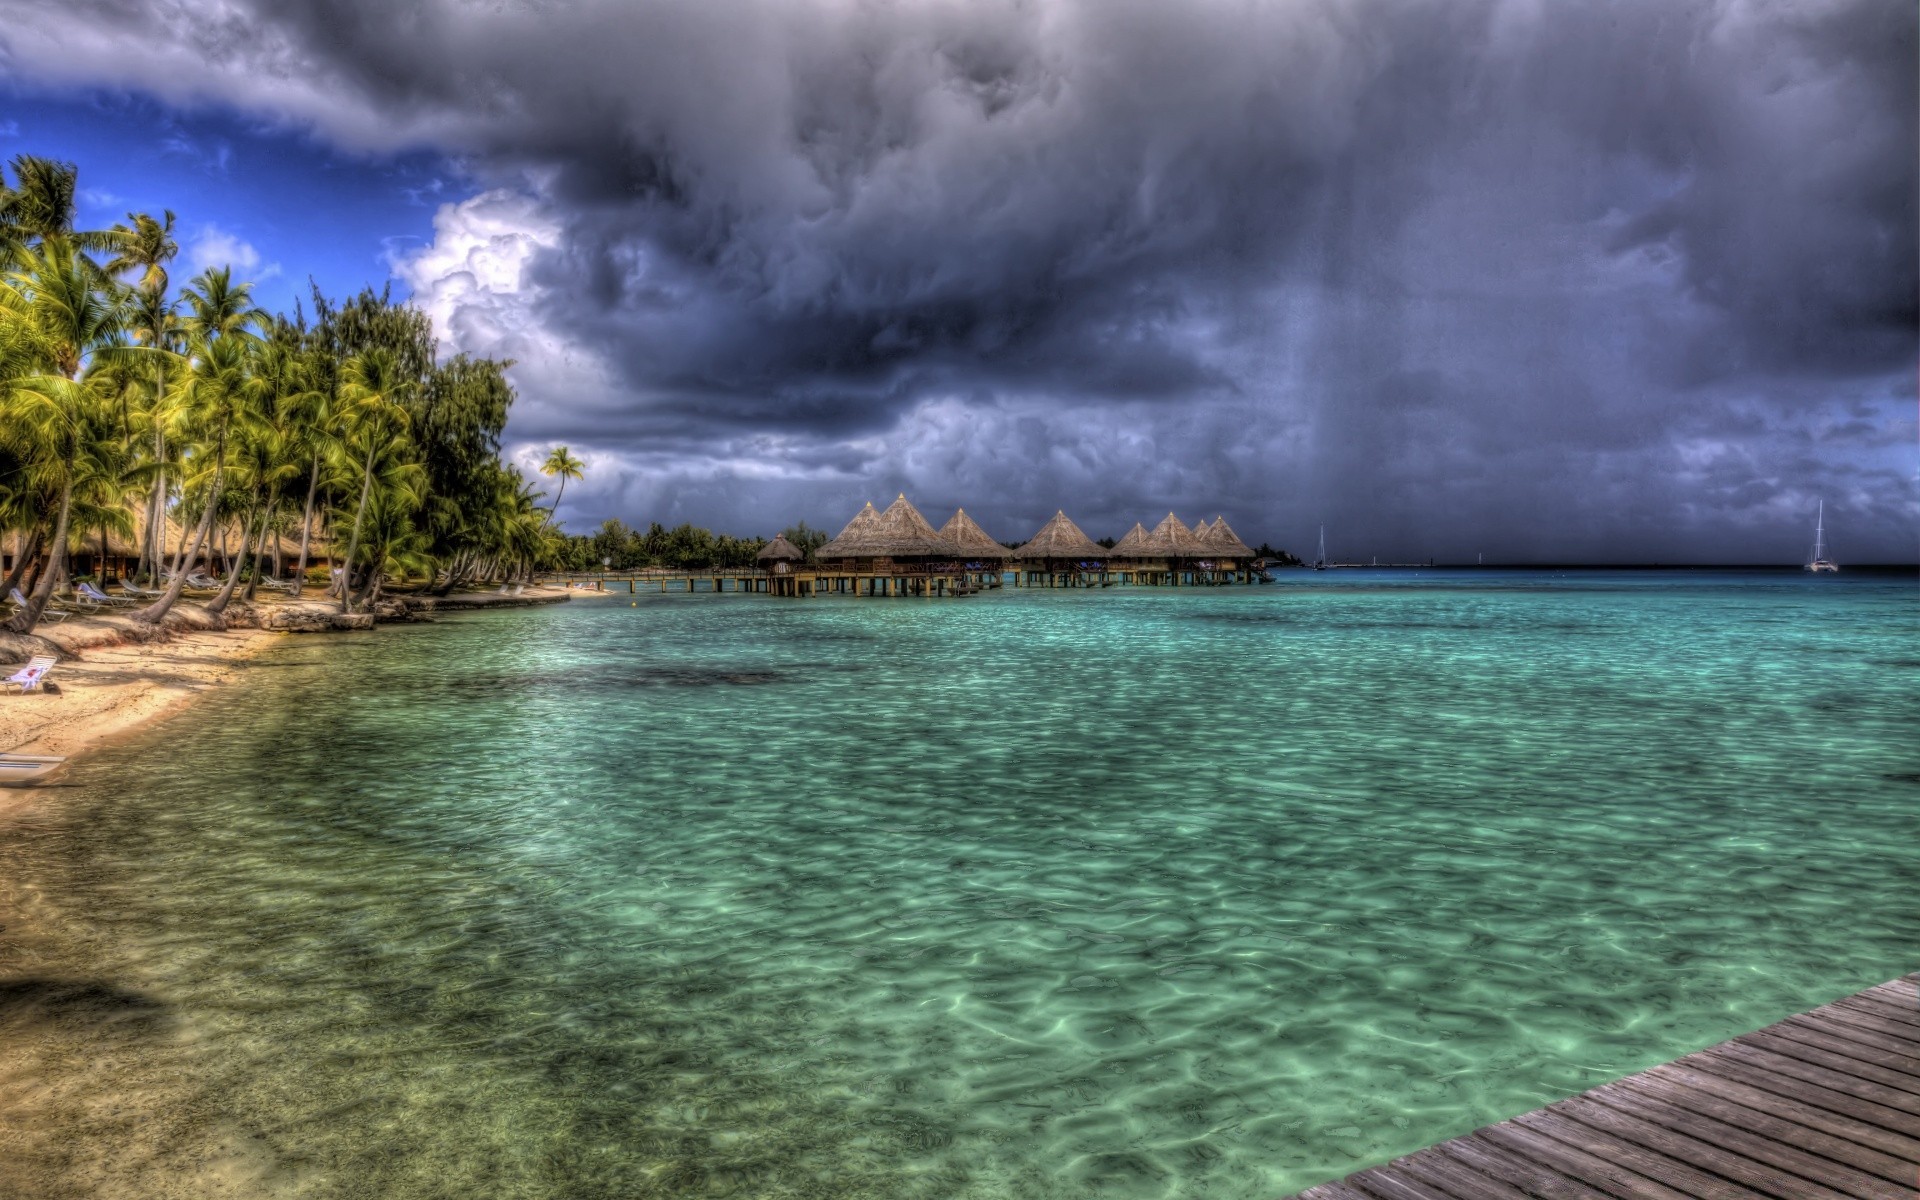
(372, 390)
(561, 462)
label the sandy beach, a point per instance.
(107, 683)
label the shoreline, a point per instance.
(115, 677)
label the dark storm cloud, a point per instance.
(1625, 279)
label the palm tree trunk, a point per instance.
(24, 620)
(218, 605)
(306, 528)
(260, 543)
(24, 555)
(353, 543)
(152, 613)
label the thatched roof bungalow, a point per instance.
(1172, 541)
(1133, 544)
(898, 535)
(972, 542)
(1060, 542)
(1222, 542)
(779, 555)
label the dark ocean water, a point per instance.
(1210, 893)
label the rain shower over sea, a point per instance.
(1140, 893)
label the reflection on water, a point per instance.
(1032, 895)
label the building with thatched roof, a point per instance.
(898, 535)
(1223, 543)
(779, 556)
(1133, 544)
(1172, 541)
(972, 541)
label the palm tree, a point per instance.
(148, 247)
(56, 292)
(218, 387)
(372, 389)
(40, 205)
(561, 462)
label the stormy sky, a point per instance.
(1548, 280)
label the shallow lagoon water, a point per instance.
(1211, 893)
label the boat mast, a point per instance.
(1820, 533)
(1323, 545)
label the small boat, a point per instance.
(1821, 564)
(25, 768)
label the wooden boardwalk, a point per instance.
(1822, 1106)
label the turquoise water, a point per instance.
(1208, 893)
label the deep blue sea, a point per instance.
(1127, 893)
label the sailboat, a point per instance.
(1820, 560)
(1320, 564)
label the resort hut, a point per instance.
(1133, 544)
(1060, 553)
(894, 552)
(981, 556)
(1173, 541)
(1222, 542)
(779, 556)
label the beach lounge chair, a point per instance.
(89, 592)
(23, 768)
(29, 677)
(138, 593)
(48, 613)
(202, 581)
(278, 585)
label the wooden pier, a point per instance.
(893, 581)
(1821, 1106)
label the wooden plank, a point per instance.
(1335, 1190)
(1609, 1176)
(1531, 1177)
(1455, 1178)
(1885, 1026)
(1685, 1148)
(1839, 1081)
(1807, 1048)
(1880, 1005)
(1387, 1183)
(1697, 1090)
(1604, 1172)
(1794, 1090)
(1680, 1176)
(1875, 1008)
(1881, 1049)
(1901, 993)
(1777, 1144)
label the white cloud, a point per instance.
(212, 246)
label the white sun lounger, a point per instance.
(94, 594)
(22, 768)
(29, 677)
(20, 602)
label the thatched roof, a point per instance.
(1133, 545)
(899, 532)
(1061, 538)
(1171, 539)
(971, 540)
(780, 550)
(1222, 540)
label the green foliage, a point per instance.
(119, 403)
(682, 548)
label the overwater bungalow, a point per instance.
(983, 560)
(778, 559)
(1060, 555)
(891, 553)
(1172, 554)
